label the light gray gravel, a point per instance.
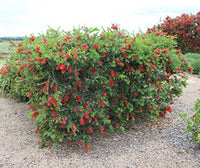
(146, 144)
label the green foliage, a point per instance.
(89, 80)
(194, 123)
(194, 60)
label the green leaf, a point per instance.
(182, 116)
(121, 129)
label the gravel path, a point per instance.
(146, 144)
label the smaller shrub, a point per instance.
(194, 60)
(194, 124)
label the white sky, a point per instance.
(25, 17)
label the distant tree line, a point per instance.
(11, 39)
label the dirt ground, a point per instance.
(147, 143)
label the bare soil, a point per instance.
(147, 143)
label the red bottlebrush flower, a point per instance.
(123, 97)
(158, 51)
(178, 52)
(35, 114)
(104, 94)
(22, 66)
(18, 72)
(67, 56)
(112, 73)
(74, 87)
(67, 38)
(132, 69)
(102, 128)
(80, 143)
(149, 73)
(62, 66)
(116, 101)
(86, 105)
(141, 68)
(140, 109)
(82, 90)
(70, 69)
(167, 70)
(155, 56)
(190, 69)
(152, 65)
(32, 107)
(96, 46)
(79, 83)
(124, 54)
(60, 47)
(157, 96)
(73, 128)
(103, 54)
(78, 98)
(135, 57)
(158, 116)
(37, 48)
(76, 73)
(86, 149)
(30, 68)
(95, 70)
(53, 113)
(111, 81)
(90, 111)
(117, 60)
(31, 39)
(125, 103)
(114, 26)
(84, 46)
(165, 51)
(70, 143)
(75, 109)
(159, 86)
(86, 114)
(168, 109)
(121, 64)
(12, 42)
(90, 130)
(150, 108)
(37, 59)
(172, 102)
(81, 121)
(119, 113)
(100, 63)
(55, 88)
(103, 86)
(95, 119)
(117, 125)
(44, 61)
(135, 93)
(132, 116)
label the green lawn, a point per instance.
(194, 60)
(4, 45)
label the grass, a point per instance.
(4, 46)
(194, 60)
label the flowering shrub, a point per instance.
(187, 30)
(194, 123)
(89, 80)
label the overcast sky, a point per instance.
(25, 17)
